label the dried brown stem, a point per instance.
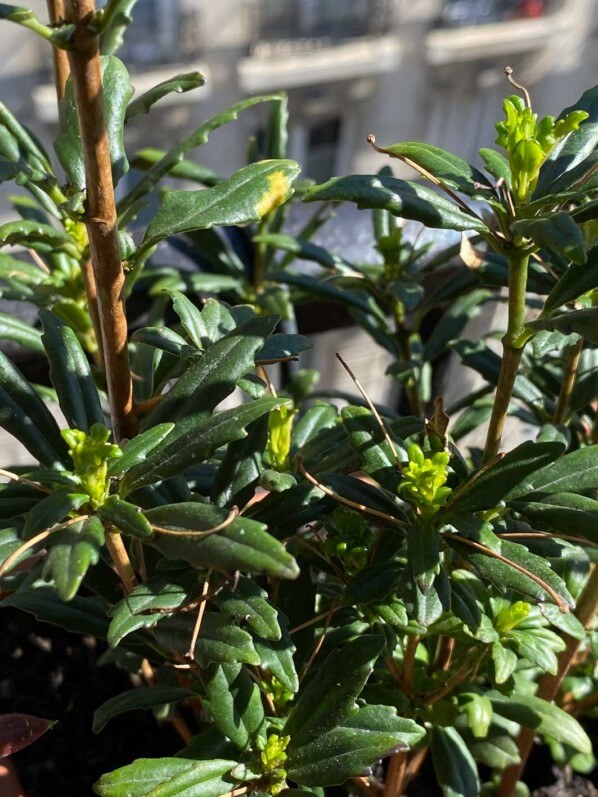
(120, 557)
(409, 665)
(61, 60)
(9, 561)
(200, 613)
(234, 513)
(101, 218)
(395, 775)
(568, 383)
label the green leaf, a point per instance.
(146, 158)
(172, 158)
(280, 347)
(219, 641)
(234, 701)
(306, 250)
(40, 237)
(583, 322)
(576, 154)
(510, 475)
(12, 328)
(564, 512)
(117, 92)
(538, 645)
(497, 751)
(452, 170)
(277, 656)
(179, 84)
(237, 476)
(557, 232)
(454, 765)
(496, 165)
(504, 661)
(161, 777)
(323, 290)
(423, 553)
(453, 322)
(543, 717)
(150, 602)
(367, 440)
(60, 36)
(193, 440)
(242, 545)
(80, 615)
(137, 449)
(576, 472)
(53, 509)
(502, 575)
(374, 583)
(399, 197)
(126, 517)
(249, 194)
(577, 280)
(142, 697)
(330, 695)
(190, 317)
(70, 373)
(11, 268)
(116, 17)
(362, 737)
(212, 377)
(161, 337)
(72, 552)
(248, 603)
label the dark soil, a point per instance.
(50, 673)
(568, 786)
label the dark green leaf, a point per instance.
(115, 21)
(564, 512)
(538, 645)
(543, 717)
(161, 337)
(363, 736)
(577, 280)
(234, 701)
(193, 440)
(576, 472)
(126, 517)
(423, 553)
(117, 93)
(150, 602)
(80, 615)
(249, 194)
(496, 751)
(504, 661)
(70, 374)
(146, 158)
(178, 84)
(374, 584)
(169, 776)
(242, 545)
(239, 472)
(276, 656)
(143, 697)
(191, 319)
(323, 290)
(557, 232)
(582, 322)
(12, 268)
(219, 641)
(12, 328)
(496, 165)
(60, 36)
(306, 250)
(53, 509)
(248, 603)
(72, 552)
(454, 765)
(401, 198)
(40, 237)
(450, 169)
(282, 347)
(367, 440)
(213, 376)
(453, 322)
(330, 695)
(137, 449)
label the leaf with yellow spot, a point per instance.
(245, 197)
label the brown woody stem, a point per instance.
(587, 606)
(101, 219)
(393, 785)
(61, 61)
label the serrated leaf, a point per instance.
(72, 552)
(115, 22)
(543, 717)
(219, 641)
(249, 194)
(350, 748)
(539, 646)
(454, 765)
(40, 237)
(242, 545)
(248, 603)
(142, 697)
(330, 695)
(234, 701)
(504, 661)
(117, 91)
(179, 84)
(213, 376)
(193, 440)
(70, 373)
(168, 776)
(401, 198)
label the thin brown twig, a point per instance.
(395, 775)
(409, 664)
(489, 552)
(353, 504)
(306, 624)
(568, 383)
(120, 557)
(318, 644)
(509, 73)
(233, 514)
(10, 560)
(373, 410)
(14, 477)
(200, 613)
(547, 534)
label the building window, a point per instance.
(460, 13)
(323, 145)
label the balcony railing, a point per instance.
(467, 13)
(283, 26)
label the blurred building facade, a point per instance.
(402, 69)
